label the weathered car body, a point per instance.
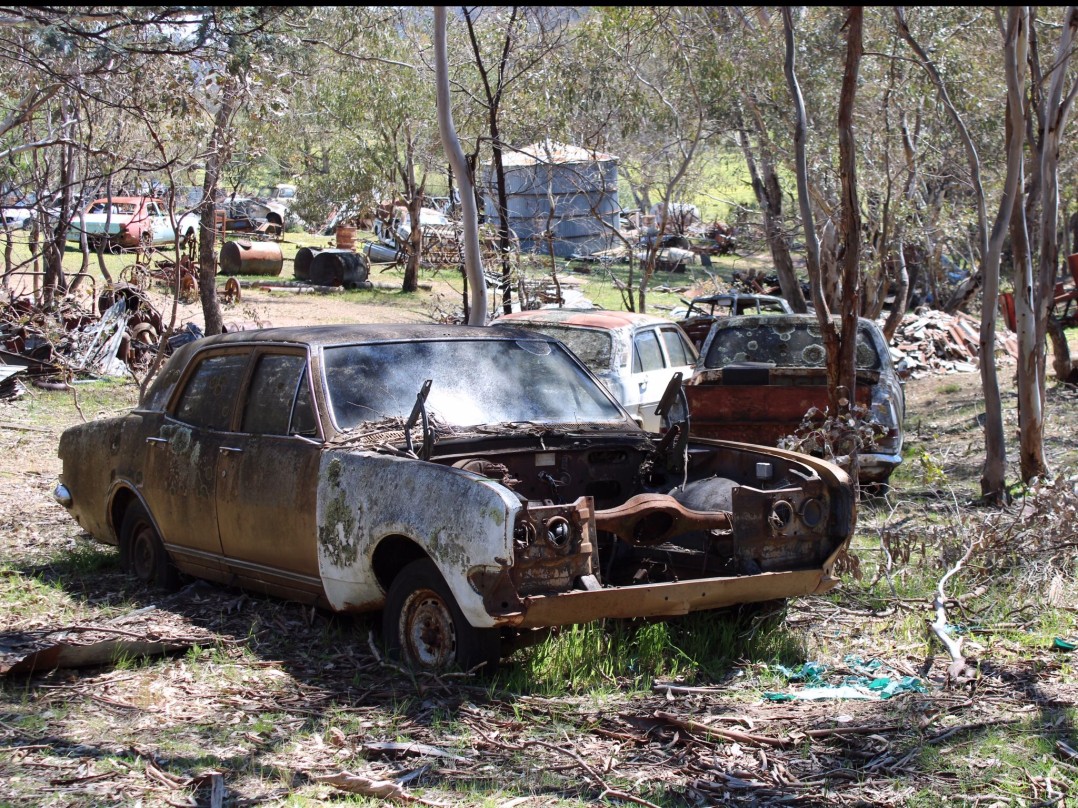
(130, 221)
(634, 355)
(758, 376)
(469, 482)
(701, 312)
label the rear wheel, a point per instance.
(142, 553)
(425, 629)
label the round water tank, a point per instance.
(251, 258)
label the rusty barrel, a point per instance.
(302, 264)
(340, 268)
(251, 258)
(346, 238)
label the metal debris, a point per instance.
(930, 341)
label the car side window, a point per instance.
(676, 347)
(274, 395)
(647, 355)
(209, 396)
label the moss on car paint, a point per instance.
(333, 472)
(448, 548)
(339, 532)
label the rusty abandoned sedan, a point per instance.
(471, 483)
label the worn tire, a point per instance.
(423, 627)
(142, 553)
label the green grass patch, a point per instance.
(609, 655)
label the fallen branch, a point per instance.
(730, 734)
(368, 787)
(958, 670)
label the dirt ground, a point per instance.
(268, 703)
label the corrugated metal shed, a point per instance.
(569, 190)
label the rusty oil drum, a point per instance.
(340, 268)
(301, 267)
(251, 258)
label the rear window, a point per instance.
(593, 347)
(780, 344)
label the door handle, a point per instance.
(235, 449)
(157, 440)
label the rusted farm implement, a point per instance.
(181, 275)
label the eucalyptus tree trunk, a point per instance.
(473, 266)
(1055, 119)
(414, 194)
(851, 209)
(216, 157)
(765, 185)
(812, 241)
(993, 477)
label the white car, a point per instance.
(20, 213)
(634, 355)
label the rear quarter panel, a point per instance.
(98, 456)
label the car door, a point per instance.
(180, 479)
(649, 377)
(161, 231)
(680, 353)
(267, 478)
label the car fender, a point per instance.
(461, 520)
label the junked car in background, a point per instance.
(130, 221)
(634, 355)
(20, 212)
(758, 376)
(474, 484)
(700, 312)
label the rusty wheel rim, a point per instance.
(428, 635)
(143, 552)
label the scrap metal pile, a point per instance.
(930, 341)
(52, 346)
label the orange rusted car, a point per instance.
(470, 483)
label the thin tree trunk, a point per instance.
(216, 156)
(993, 480)
(851, 209)
(1030, 411)
(765, 185)
(473, 266)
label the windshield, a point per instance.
(780, 343)
(474, 382)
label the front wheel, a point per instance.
(424, 628)
(142, 553)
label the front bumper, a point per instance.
(877, 468)
(665, 599)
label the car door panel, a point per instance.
(182, 455)
(267, 478)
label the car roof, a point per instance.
(135, 199)
(346, 334)
(585, 318)
(724, 296)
